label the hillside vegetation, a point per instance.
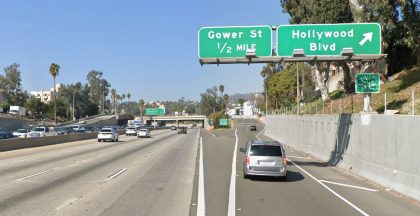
(398, 93)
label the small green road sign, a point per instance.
(234, 41)
(329, 39)
(154, 111)
(223, 122)
(367, 83)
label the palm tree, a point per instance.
(54, 70)
(128, 102)
(113, 96)
(222, 89)
(225, 99)
(141, 106)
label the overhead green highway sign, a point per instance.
(154, 111)
(367, 83)
(329, 39)
(234, 41)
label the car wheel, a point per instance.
(246, 176)
(99, 140)
(117, 139)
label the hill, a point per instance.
(398, 93)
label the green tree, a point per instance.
(322, 11)
(99, 87)
(282, 87)
(54, 71)
(210, 102)
(400, 21)
(241, 101)
(36, 107)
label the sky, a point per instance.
(146, 48)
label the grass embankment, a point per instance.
(398, 93)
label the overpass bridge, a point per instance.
(176, 119)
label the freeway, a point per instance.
(148, 176)
(199, 173)
(311, 188)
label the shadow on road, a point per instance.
(291, 177)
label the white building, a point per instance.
(249, 108)
(46, 96)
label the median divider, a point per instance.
(22, 143)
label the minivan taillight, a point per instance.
(284, 161)
(247, 160)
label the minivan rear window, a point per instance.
(265, 150)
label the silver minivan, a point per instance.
(264, 158)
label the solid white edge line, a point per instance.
(332, 191)
(232, 187)
(347, 185)
(117, 173)
(36, 174)
(201, 202)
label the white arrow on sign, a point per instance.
(368, 37)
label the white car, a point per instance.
(144, 133)
(21, 133)
(108, 134)
(130, 131)
(41, 132)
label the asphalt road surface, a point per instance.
(148, 176)
(311, 188)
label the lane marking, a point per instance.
(65, 204)
(201, 202)
(20, 161)
(332, 191)
(36, 174)
(212, 134)
(150, 154)
(260, 134)
(117, 173)
(232, 187)
(347, 185)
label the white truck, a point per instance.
(17, 110)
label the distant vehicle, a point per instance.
(108, 134)
(173, 127)
(89, 129)
(130, 123)
(131, 131)
(253, 128)
(194, 125)
(264, 158)
(144, 132)
(5, 135)
(76, 127)
(82, 122)
(182, 130)
(80, 130)
(41, 132)
(64, 130)
(21, 133)
(17, 110)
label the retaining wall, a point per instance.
(386, 151)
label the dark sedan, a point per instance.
(5, 135)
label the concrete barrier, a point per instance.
(21, 143)
(386, 151)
